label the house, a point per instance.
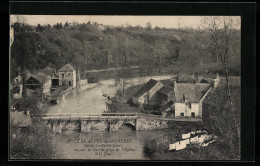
(32, 82)
(50, 71)
(168, 110)
(179, 100)
(145, 94)
(213, 81)
(186, 78)
(67, 76)
(189, 98)
(165, 94)
(54, 74)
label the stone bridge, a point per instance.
(83, 122)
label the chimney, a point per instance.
(174, 82)
(217, 77)
(193, 78)
(215, 81)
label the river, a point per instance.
(92, 100)
(125, 144)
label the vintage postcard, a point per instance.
(112, 87)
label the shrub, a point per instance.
(33, 143)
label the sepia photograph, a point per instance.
(125, 87)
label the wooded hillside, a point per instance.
(91, 46)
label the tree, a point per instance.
(149, 26)
(39, 28)
(44, 80)
(34, 143)
(66, 24)
(217, 34)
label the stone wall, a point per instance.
(158, 124)
(151, 124)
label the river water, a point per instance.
(125, 144)
(92, 100)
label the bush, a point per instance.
(33, 143)
(149, 148)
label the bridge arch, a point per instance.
(125, 126)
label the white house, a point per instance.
(189, 98)
(67, 75)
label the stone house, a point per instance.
(189, 98)
(146, 93)
(67, 76)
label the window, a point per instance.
(69, 83)
(193, 114)
(182, 114)
(17, 80)
(62, 75)
(68, 74)
(189, 105)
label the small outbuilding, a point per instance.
(168, 110)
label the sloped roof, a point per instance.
(67, 67)
(50, 65)
(193, 92)
(42, 77)
(148, 86)
(167, 105)
(165, 89)
(49, 71)
(168, 82)
(206, 80)
(186, 78)
(19, 119)
(28, 75)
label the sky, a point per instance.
(160, 21)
